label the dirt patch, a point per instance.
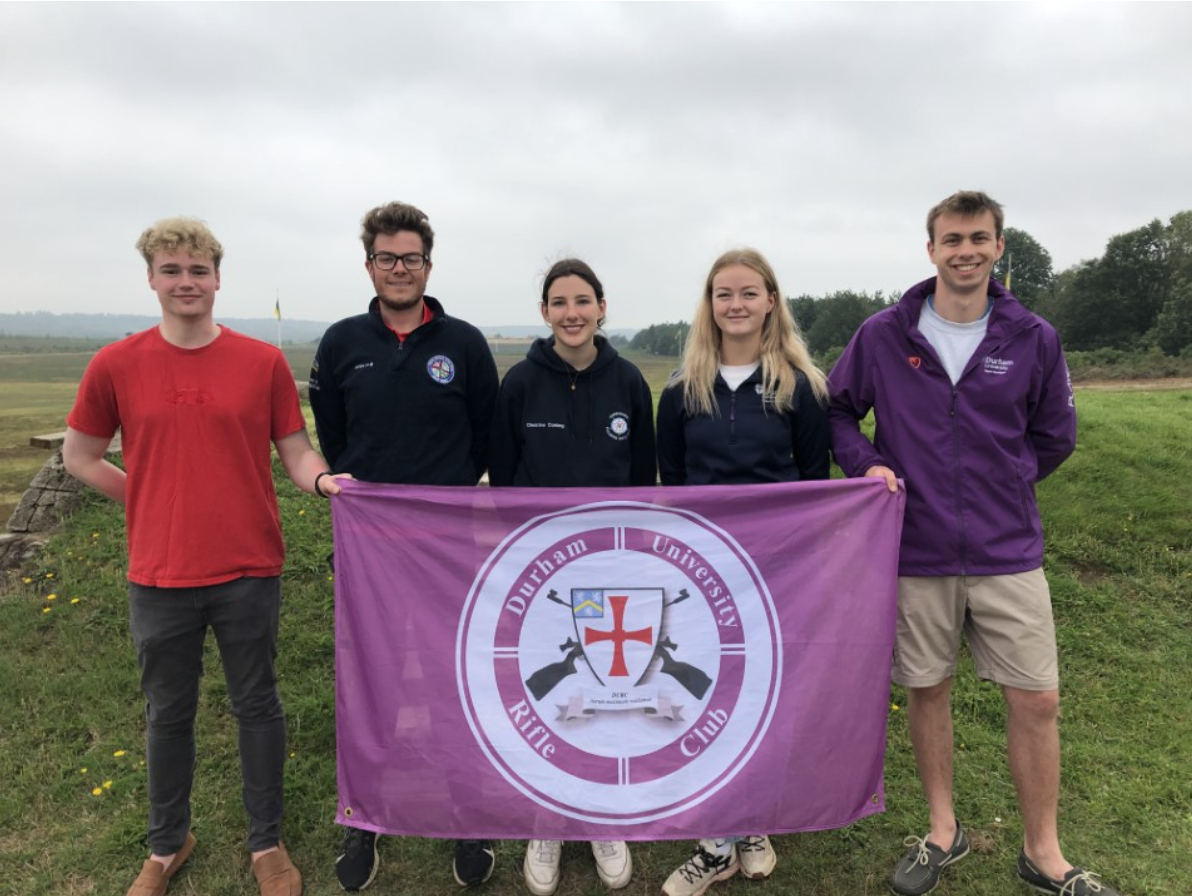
(1166, 384)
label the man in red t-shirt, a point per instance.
(198, 406)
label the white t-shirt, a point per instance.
(735, 374)
(953, 342)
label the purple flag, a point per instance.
(613, 664)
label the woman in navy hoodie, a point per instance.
(574, 413)
(746, 406)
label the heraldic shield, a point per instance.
(618, 629)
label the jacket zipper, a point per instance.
(732, 417)
(956, 476)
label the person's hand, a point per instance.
(880, 472)
(327, 484)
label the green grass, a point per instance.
(1120, 564)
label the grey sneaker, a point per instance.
(703, 869)
(920, 869)
(613, 862)
(757, 857)
(1076, 882)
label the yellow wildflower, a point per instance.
(46, 609)
(95, 535)
(74, 600)
(302, 513)
(98, 791)
(107, 785)
(49, 575)
(83, 770)
(27, 580)
(119, 753)
(51, 597)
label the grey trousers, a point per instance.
(168, 628)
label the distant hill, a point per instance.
(115, 326)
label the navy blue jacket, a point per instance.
(747, 442)
(417, 411)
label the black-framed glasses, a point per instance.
(387, 261)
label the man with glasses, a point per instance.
(404, 394)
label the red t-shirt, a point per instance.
(196, 427)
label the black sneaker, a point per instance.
(473, 863)
(1076, 882)
(358, 864)
(920, 869)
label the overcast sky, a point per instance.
(644, 138)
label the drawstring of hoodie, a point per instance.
(571, 396)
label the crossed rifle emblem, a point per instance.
(590, 604)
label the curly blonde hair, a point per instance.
(172, 234)
(782, 348)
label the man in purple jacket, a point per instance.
(973, 406)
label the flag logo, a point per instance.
(627, 701)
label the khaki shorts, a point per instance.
(1007, 619)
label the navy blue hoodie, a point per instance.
(558, 426)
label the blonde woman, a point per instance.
(746, 406)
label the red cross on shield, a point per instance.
(619, 629)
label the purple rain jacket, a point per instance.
(970, 454)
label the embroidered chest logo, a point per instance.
(618, 426)
(997, 366)
(441, 369)
(915, 361)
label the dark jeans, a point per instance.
(168, 627)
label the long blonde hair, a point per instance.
(782, 349)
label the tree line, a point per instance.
(1136, 297)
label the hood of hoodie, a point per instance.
(542, 352)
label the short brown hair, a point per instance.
(172, 234)
(966, 203)
(389, 219)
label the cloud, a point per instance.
(645, 138)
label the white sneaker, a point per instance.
(541, 867)
(757, 857)
(613, 862)
(703, 869)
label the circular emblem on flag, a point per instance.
(441, 369)
(618, 426)
(603, 666)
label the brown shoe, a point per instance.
(154, 878)
(276, 874)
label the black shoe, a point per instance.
(473, 863)
(358, 864)
(920, 869)
(1076, 882)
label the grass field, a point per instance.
(72, 804)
